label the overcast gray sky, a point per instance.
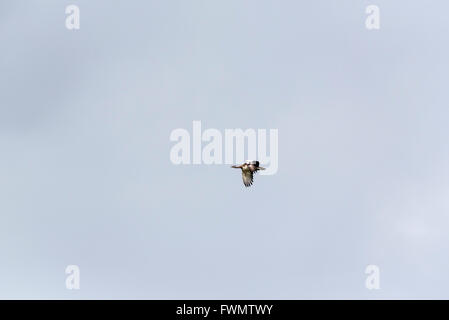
(86, 179)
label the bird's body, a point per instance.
(248, 169)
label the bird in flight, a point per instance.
(248, 169)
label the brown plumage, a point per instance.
(249, 168)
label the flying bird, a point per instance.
(248, 169)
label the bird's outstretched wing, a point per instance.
(247, 178)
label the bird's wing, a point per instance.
(247, 177)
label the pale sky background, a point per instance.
(85, 119)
